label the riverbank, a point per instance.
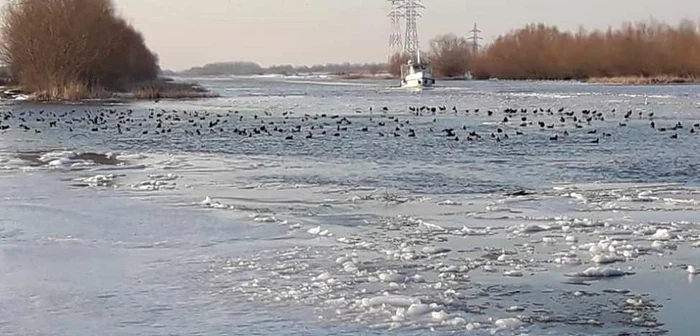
(640, 80)
(163, 88)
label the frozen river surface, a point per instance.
(320, 207)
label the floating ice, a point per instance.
(389, 300)
(434, 250)
(515, 309)
(152, 185)
(64, 163)
(536, 228)
(418, 309)
(691, 270)
(513, 273)
(314, 231)
(265, 219)
(549, 240)
(391, 277)
(51, 156)
(126, 157)
(449, 203)
(661, 234)
(473, 232)
(568, 261)
(605, 259)
(430, 227)
(99, 180)
(600, 272)
(163, 177)
(322, 277)
(439, 316)
(457, 321)
(474, 326)
(506, 324)
(662, 244)
(579, 197)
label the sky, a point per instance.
(186, 33)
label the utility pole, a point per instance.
(395, 15)
(475, 39)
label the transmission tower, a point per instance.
(475, 39)
(396, 15)
(411, 12)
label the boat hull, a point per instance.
(417, 81)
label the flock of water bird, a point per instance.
(501, 125)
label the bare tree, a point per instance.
(450, 55)
(395, 62)
(68, 49)
(645, 49)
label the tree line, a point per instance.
(251, 68)
(72, 49)
(538, 51)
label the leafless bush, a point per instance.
(395, 62)
(634, 50)
(450, 55)
(72, 49)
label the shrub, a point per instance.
(450, 55)
(634, 50)
(72, 49)
(395, 62)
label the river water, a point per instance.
(314, 206)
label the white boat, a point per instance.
(416, 75)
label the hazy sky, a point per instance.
(187, 32)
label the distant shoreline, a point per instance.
(621, 80)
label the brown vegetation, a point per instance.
(450, 56)
(73, 49)
(164, 89)
(395, 62)
(647, 50)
